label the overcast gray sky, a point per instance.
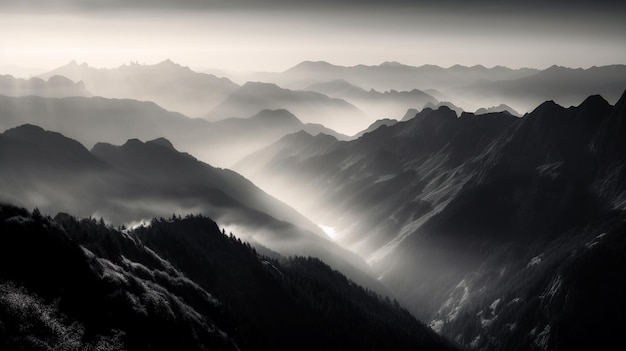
(274, 35)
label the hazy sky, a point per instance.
(276, 34)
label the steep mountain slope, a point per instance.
(158, 164)
(371, 188)
(381, 122)
(46, 169)
(138, 181)
(375, 104)
(178, 284)
(55, 86)
(311, 107)
(168, 84)
(467, 218)
(92, 120)
(229, 140)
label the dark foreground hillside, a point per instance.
(179, 284)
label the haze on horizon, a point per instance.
(275, 35)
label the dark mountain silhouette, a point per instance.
(168, 84)
(566, 86)
(157, 163)
(410, 113)
(505, 215)
(138, 181)
(375, 104)
(373, 180)
(48, 170)
(92, 120)
(448, 104)
(381, 122)
(55, 86)
(310, 107)
(68, 283)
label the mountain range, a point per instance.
(170, 85)
(55, 86)
(97, 119)
(311, 107)
(505, 215)
(502, 229)
(376, 104)
(138, 181)
(391, 75)
(380, 91)
(565, 86)
(178, 88)
(471, 88)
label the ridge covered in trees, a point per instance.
(179, 284)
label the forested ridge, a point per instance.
(179, 284)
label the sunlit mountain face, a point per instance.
(291, 175)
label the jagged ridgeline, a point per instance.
(501, 232)
(179, 284)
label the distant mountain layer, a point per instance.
(500, 213)
(311, 107)
(566, 86)
(168, 84)
(499, 108)
(469, 87)
(55, 86)
(68, 283)
(92, 120)
(392, 75)
(375, 104)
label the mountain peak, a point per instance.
(75, 64)
(171, 65)
(309, 65)
(48, 142)
(315, 63)
(162, 142)
(594, 101)
(167, 62)
(133, 142)
(25, 129)
(391, 64)
(59, 80)
(547, 107)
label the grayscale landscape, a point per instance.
(329, 175)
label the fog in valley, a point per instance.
(288, 175)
